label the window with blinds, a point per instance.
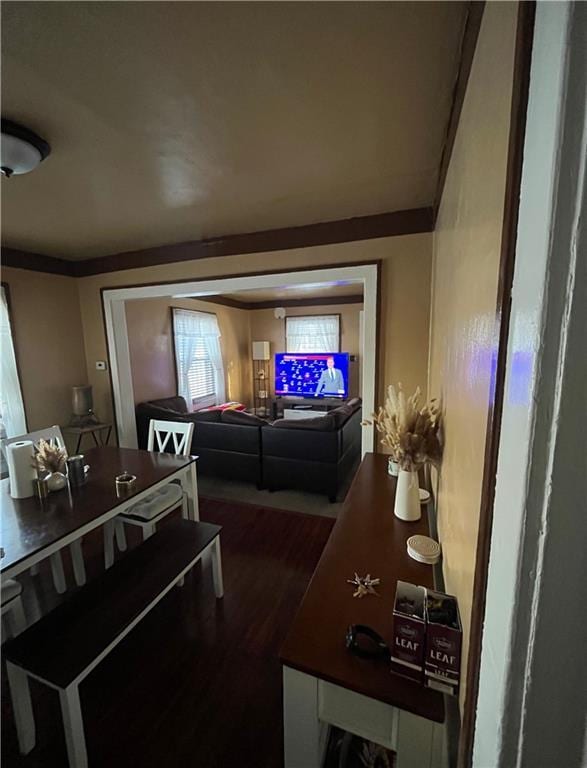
(200, 377)
(196, 340)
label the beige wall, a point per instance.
(465, 274)
(266, 327)
(49, 343)
(405, 298)
(151, 347)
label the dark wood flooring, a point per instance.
(198, 682)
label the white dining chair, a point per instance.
(12, 607)
(54, 436)
(164, 436)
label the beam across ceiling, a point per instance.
(409, 222)
(323, 301)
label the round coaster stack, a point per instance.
(423, 549)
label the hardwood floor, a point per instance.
(198, 682)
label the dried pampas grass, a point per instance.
(410, 432)
(49, 458)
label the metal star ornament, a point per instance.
(364, 585)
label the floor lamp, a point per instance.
(261, 357)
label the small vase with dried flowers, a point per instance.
(411, 435)
(51, 459)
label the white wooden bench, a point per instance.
(63, 647)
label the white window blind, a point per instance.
(200, 370)
(12, 416)
(201, 375)
(312, 333)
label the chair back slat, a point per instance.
(52, 435)
(162, 432)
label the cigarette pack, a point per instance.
(407, 652)
(443, 643)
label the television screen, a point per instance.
(312, 375)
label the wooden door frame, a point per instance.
(518, 112)
(114, 314)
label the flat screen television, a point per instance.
(312, 375)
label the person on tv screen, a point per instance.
(331, 381)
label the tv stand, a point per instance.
(313, 407)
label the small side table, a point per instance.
(97, 431)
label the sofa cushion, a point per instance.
(324, 423)
(201, 416)
(146, 411)
(176, 404)
(240, 417)
(343, 413)
(238, 438)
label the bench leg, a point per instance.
(77, 559)
(58, 573)
(120, 535)
(74, 727)
(217, 569)
(15, 617)
(108, 529)
(22, 706)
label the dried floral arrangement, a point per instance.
(410, 432)
(49, 458)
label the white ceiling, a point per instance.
(174, 121)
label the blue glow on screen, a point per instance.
(311, 375)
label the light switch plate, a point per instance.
(101, 365)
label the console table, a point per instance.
(323, 684)
(95, 430)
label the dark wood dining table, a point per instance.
(33, 529)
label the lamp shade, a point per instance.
(261, 350)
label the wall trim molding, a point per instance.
(392, 224)
(325, 301)
(38, 262)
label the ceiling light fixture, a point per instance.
(21, 149)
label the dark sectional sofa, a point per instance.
(315, 455)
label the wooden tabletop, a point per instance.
(367, 538)
(30, 525)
